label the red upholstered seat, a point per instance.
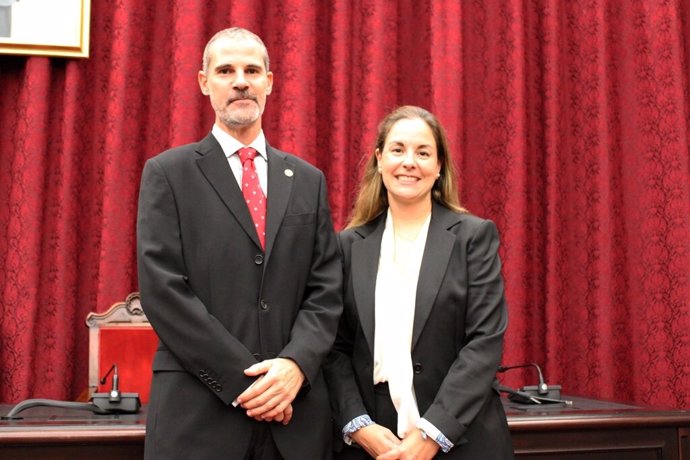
(122, 335)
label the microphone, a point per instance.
(542, 388)
(527, 394)
(100, 403)
(114, 401)
(114, 395)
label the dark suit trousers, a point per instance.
(262, 446)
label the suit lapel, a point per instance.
(214, 166)
(364, 267)
(281, 174)
(437, 252)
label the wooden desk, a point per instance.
(67, 434)
(598, 430)
(587, 430)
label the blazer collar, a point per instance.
(364, 267)
(437, 252)
(365, 261)
(281, 177)
(214, 165)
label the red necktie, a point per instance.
(253, 195)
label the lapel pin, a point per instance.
(288, 172)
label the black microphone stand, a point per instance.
(113, 402)
(533, 394)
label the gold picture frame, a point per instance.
(45, 27)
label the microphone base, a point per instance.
(533, 390)
(129, 403)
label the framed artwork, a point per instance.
(45, 27)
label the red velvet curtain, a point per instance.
(569, 122)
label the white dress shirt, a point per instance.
(230, 146)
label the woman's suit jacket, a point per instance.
(460, 318)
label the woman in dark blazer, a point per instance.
(413, 370)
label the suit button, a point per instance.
(203, 374)
(218, 388)
(418, 368)
(259, 259)
(264, 305)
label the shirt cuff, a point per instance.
(431, 431)
(357, 423)
(235, 402)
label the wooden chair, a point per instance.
(123, 336)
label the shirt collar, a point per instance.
(230, 145)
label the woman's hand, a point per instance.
(375, 439)
(412, 447)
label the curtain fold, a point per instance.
(568, 121)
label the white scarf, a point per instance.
(396, 291)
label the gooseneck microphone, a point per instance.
(533, 394)
(114, 395)
(113, 402)
(542, 387)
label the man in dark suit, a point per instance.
(240, 277)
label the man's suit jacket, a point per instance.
(460, 318)
(220, 304)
